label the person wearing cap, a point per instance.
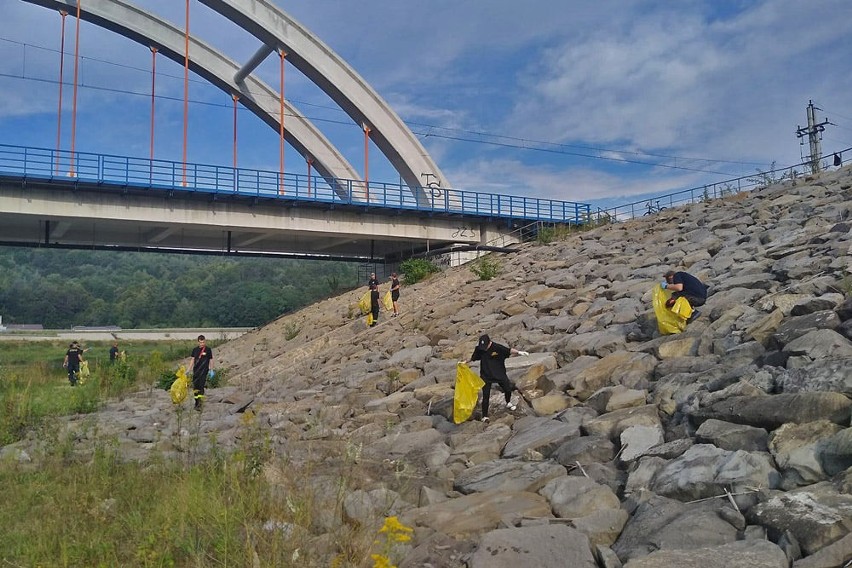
(492, 357)
(72, 360)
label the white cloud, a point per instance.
(693, 78)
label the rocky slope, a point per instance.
(726, 445)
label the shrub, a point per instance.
(486, 268)
(416, 269)
(547, 235)
(291, 330)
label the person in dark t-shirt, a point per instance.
(374, 303)
(72, 360)
(684, 284)
(200, 367)
(394, 289)
(492, 357)
(113, 352)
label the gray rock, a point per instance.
(796, 327)
(817, 516)
(821, 344)
(508, 475)
(835, 452)
(637, 440)
(575, 497)
(796, 449)
(827, 375)
(544, 545)
(478, 512)
(772, 411)
(707, 471)
(612, 424)
(729, 436)
(585, 450)
(742, 554)
(543, 435)
(661, 523)
(835, 554)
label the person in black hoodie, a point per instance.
(492, 357)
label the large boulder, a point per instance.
(741, 554)
(542, 545)
(707, 471)
(772, 411)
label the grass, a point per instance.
(249, 507)
(34, 385)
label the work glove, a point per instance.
(664, 284)
(462, 362)
(523, 353)
(211, 373)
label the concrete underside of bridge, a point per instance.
(41, 213)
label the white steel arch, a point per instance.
(148, 29)
(328, 71)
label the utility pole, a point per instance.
(814, 133)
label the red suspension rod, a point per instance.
(76, 74)
(283, 55)
(185, 89)
(62, 13)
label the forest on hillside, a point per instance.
(63, 288)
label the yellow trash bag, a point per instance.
(673, 320)
(369, 319)
(364, 303)
(468, 385)
(387, 301)
(180, 388)
(84, 372)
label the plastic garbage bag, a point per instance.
(84, 372)
(364, 303)
(387, 301)
(468, 385)
(673, 320)
(369, 319)
(682, 308)
(179, 388)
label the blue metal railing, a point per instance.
(142, 173)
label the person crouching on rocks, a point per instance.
(492, 357)
(684, 284)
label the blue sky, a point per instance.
(597, 102)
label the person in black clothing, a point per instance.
(72, 360)
(374, 302)
(373, 281)
(113, 352)
(492, 357)
(395, 293)
(683, 284)
(200, 366)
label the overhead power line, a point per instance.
(454, 134)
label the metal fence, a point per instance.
(697, 194)
(108, 170)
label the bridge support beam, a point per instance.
(252, 63)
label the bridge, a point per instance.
(62, 197)
(124, 203)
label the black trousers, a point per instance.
(505, 385)
(694, 301)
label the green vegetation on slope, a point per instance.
(34, 386)
(61, 288)
(62, 507)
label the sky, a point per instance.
(599, 102)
